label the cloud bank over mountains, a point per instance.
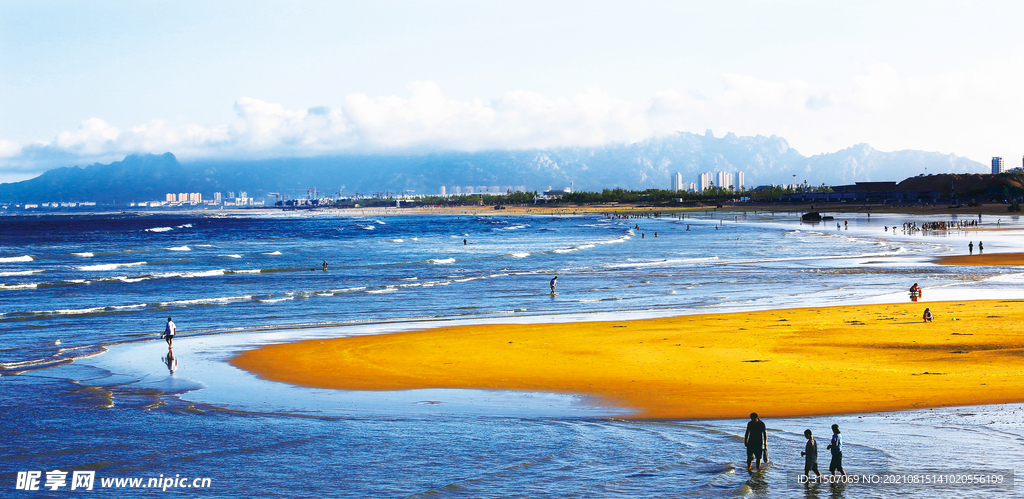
(878, 103)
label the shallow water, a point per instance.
(105, 280)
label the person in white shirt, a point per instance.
(170, 331)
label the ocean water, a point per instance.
(104, 399)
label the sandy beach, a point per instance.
(795, 362)
(982, 259)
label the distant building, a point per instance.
(520, 188)
(704, 181)
(725, 180)
(443, 191)
(183, 197)
(457, 190)
(741, 181)
(997, 166)
(171, 197)
(216, 198)
(677, 182)
(468, 190)
(195, 197)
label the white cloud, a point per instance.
(965, 113)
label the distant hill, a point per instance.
(642, 165)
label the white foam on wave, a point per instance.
(397, 240)
(205, 301)
(204, 245)
(275, 300)
(110, 266)
(90, 310)
(273, 253)
(180, 248)
(661, 263)
(247, 271)
(515, 227)
(19, 272)
(160, 229)
(231, 256)
(367, 227)
(30, 285)
(186, 226)
(519, 254)
(441, 261)
(24, 258)
(85, 254)
(386, 289)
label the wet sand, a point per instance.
(983, 259)
(796, 362)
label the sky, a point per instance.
(82, 82)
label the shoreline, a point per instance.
(836, 209)
(788, 362)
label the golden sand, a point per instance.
(983, 259)
(828, 360)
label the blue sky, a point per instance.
(93, 81)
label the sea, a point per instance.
(86, 385)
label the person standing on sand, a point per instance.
(810, 454)
(169, 331)
(836, 446)
(756, 440)
(970, 248)
(553, 283)
(981, 247)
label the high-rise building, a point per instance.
(443, 193)
(468, 190)
(725, 180)
(195, 197)
(182, 197)
(690, 186)
(216, 198)
(171, 197)
(457, 190)
(677, 182)
(741, 181)
(704, 182)
(997, 166)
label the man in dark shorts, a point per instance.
(170, 331)
(836, 446)
(756, 439)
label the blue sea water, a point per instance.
(103, 399)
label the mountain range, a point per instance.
(641, 165)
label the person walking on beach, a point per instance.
(927, 315)
(981, 247)
(810, 454)
(756, 440)
(169, 332)
(836, 446)
(553, 283)
(970, 248)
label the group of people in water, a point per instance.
(756, 441)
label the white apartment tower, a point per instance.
(704, 182)
(443, 193)
(997, 166)
(677, 182)
(725, 180)
(741, 181)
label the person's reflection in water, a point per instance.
(172, 363)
